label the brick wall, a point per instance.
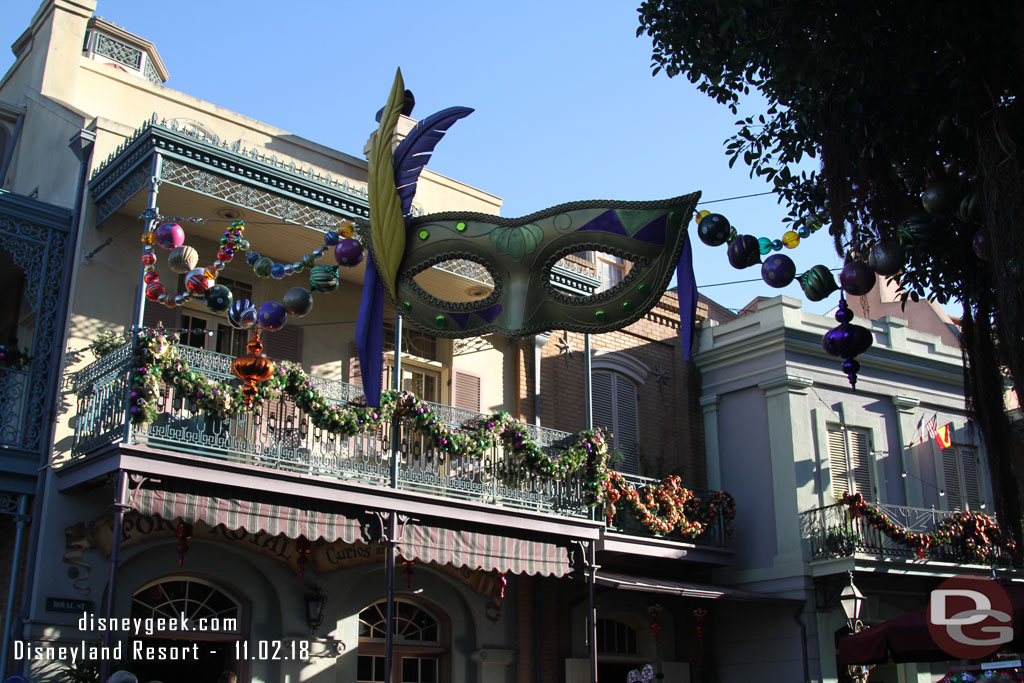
(671, 426)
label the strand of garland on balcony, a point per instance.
(975, 533)
(661, 509)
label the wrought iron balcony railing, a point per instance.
(832, 533)
(14, 397)
(626, 522)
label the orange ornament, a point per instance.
(252, 368)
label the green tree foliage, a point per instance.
(914, 110)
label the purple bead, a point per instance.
(272, 316)
(170, 235)
(857, 278)
(349, 252)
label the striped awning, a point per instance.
(421, 540)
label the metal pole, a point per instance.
(151, 214)
(592, 611)
(120, 506)
(21, 519)
(396, 453)
(588, 385)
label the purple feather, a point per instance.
(413, 153)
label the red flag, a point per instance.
(944, 435)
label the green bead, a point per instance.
(406, 306)
(643, 289)
(441, 321)
(460, 226)
(308, 260)
(764, 245)
(600, 316)
(263, 266)
(424, 234)
(627, 306)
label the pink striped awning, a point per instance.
(421, 540)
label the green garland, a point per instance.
(973, 533)
(156, 361)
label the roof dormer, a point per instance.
(111, 44)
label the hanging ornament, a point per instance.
(778, 270)
(654, 611)
(184, 534)
(818, 283)
(886, 257)
(272, 316)
(323, 278)
(699, 615)
(713, 229)
(183, 259)
(349, 252)
(847, 341)
(916, 231)
(242, 314)
(970, 207)
(939, 198)
(744, 252)
(218, 298)
(408, 573)
(857, 278)
(298, 301)
(981, 245)
(304, 548)
(170, 235)
(252, 368)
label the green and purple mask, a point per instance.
(518, 254)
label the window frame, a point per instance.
(441, 647)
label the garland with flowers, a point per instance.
(660, 509)
(974, 533)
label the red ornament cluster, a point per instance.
(669, 506)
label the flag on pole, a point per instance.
(932, 426)
(944, 435)
(919, 432)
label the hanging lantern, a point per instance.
(818, 283)
(654, 610)
(886, 257)
(847, 341)
(252, 368)
(699, 615)
(184, 534)
(857, 278)
(744, 251)
(304, 548)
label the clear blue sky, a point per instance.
(566, 107)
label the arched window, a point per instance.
(214, 621)
(615, 638)
(420, 642)
(615, 409)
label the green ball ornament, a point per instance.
(818, 283)
(263, 266)
(218, 298)
(916, 231)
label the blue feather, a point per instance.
(413, 153)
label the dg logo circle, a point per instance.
(970, 617)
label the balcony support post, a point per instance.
(21, 520)
(592, 568)
(120, 506)
(392, 529)
(152, 214)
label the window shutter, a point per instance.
(155, 313)
(951, 477)
(972, 484)
(466, 391)
(285, 344)
(860, 461)
(837, 463)
(627, 433)
(601, 404)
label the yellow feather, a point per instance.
(387, 226)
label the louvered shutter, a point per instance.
(466, 391)
(837, 462)
(626, 430)
(285, 344)
(972, 483)
(952, 478)
(860, 462)
(601, 403)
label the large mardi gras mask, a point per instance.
(518, 254)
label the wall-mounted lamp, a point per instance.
(315, 601)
